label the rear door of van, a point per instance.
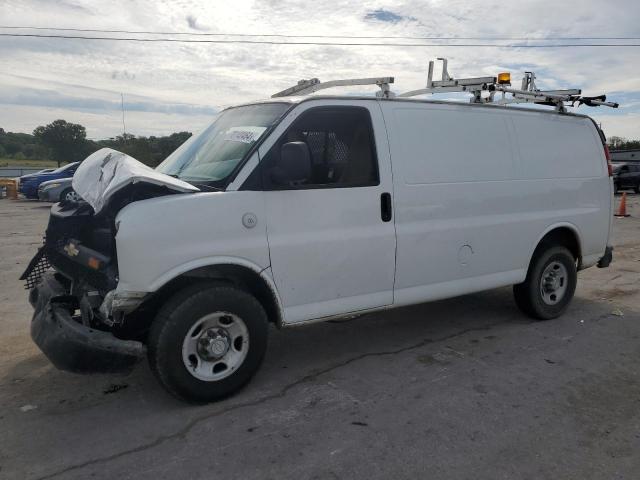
(332, 238)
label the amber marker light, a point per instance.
(504, 78)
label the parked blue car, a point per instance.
(29, 183)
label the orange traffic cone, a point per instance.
(622, 209)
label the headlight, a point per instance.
(52, 185)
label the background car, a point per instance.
(626, 175)
(29, 183)
(57, 191)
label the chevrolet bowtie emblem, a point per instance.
(71, 250)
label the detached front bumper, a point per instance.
(70, 345)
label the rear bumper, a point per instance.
(605, 260)
(70, 345)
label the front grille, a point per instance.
(77, 223)
(38, 265)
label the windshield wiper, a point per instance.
(211, 188)
(208, 187)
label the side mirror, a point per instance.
(293, 166)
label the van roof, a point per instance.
(307, 98)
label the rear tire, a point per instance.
(637, 188)
(550, 284)
(616, 188)
(207, 342)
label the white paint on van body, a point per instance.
(161, 238)
(474, 189)
(493, 179)
(330, 251)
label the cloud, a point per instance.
(192, 22)
(382, 15)
(162, 82)
(52, 99)
(123, 74)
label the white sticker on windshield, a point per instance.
(244, 134)
(240, 136)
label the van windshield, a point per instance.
(212, 155)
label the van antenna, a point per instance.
(124, 128)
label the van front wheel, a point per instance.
(550, 284)
(207, 342)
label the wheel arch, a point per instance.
(564, 234)
(236, 272)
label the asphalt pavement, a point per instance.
(466, 388)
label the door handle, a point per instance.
(385, 207)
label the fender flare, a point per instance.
(263, 272)
(547, 230)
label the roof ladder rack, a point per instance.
(528, 93)
(450, 84)
(305, 87)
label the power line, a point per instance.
(339, 44)
(216, 34)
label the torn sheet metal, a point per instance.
(107, 171)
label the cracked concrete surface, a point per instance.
(462, 388)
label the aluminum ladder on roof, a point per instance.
(528, 93)
(305, 87)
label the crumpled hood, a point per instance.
(108, 171)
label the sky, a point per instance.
(170, 87)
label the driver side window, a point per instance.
(340, 146)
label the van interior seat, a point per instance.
(359, 168)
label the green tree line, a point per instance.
(620, 143)
(63, 141)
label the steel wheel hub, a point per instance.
(215, 346)
(213, 343)
(553, 283)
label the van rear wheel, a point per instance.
(207, 342)
(550, 284)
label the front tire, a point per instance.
(69, 195)
(550, 284)
(207, 342)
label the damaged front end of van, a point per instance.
(72, 279)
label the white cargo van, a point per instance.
(303, 209)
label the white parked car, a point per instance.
(305, 209)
